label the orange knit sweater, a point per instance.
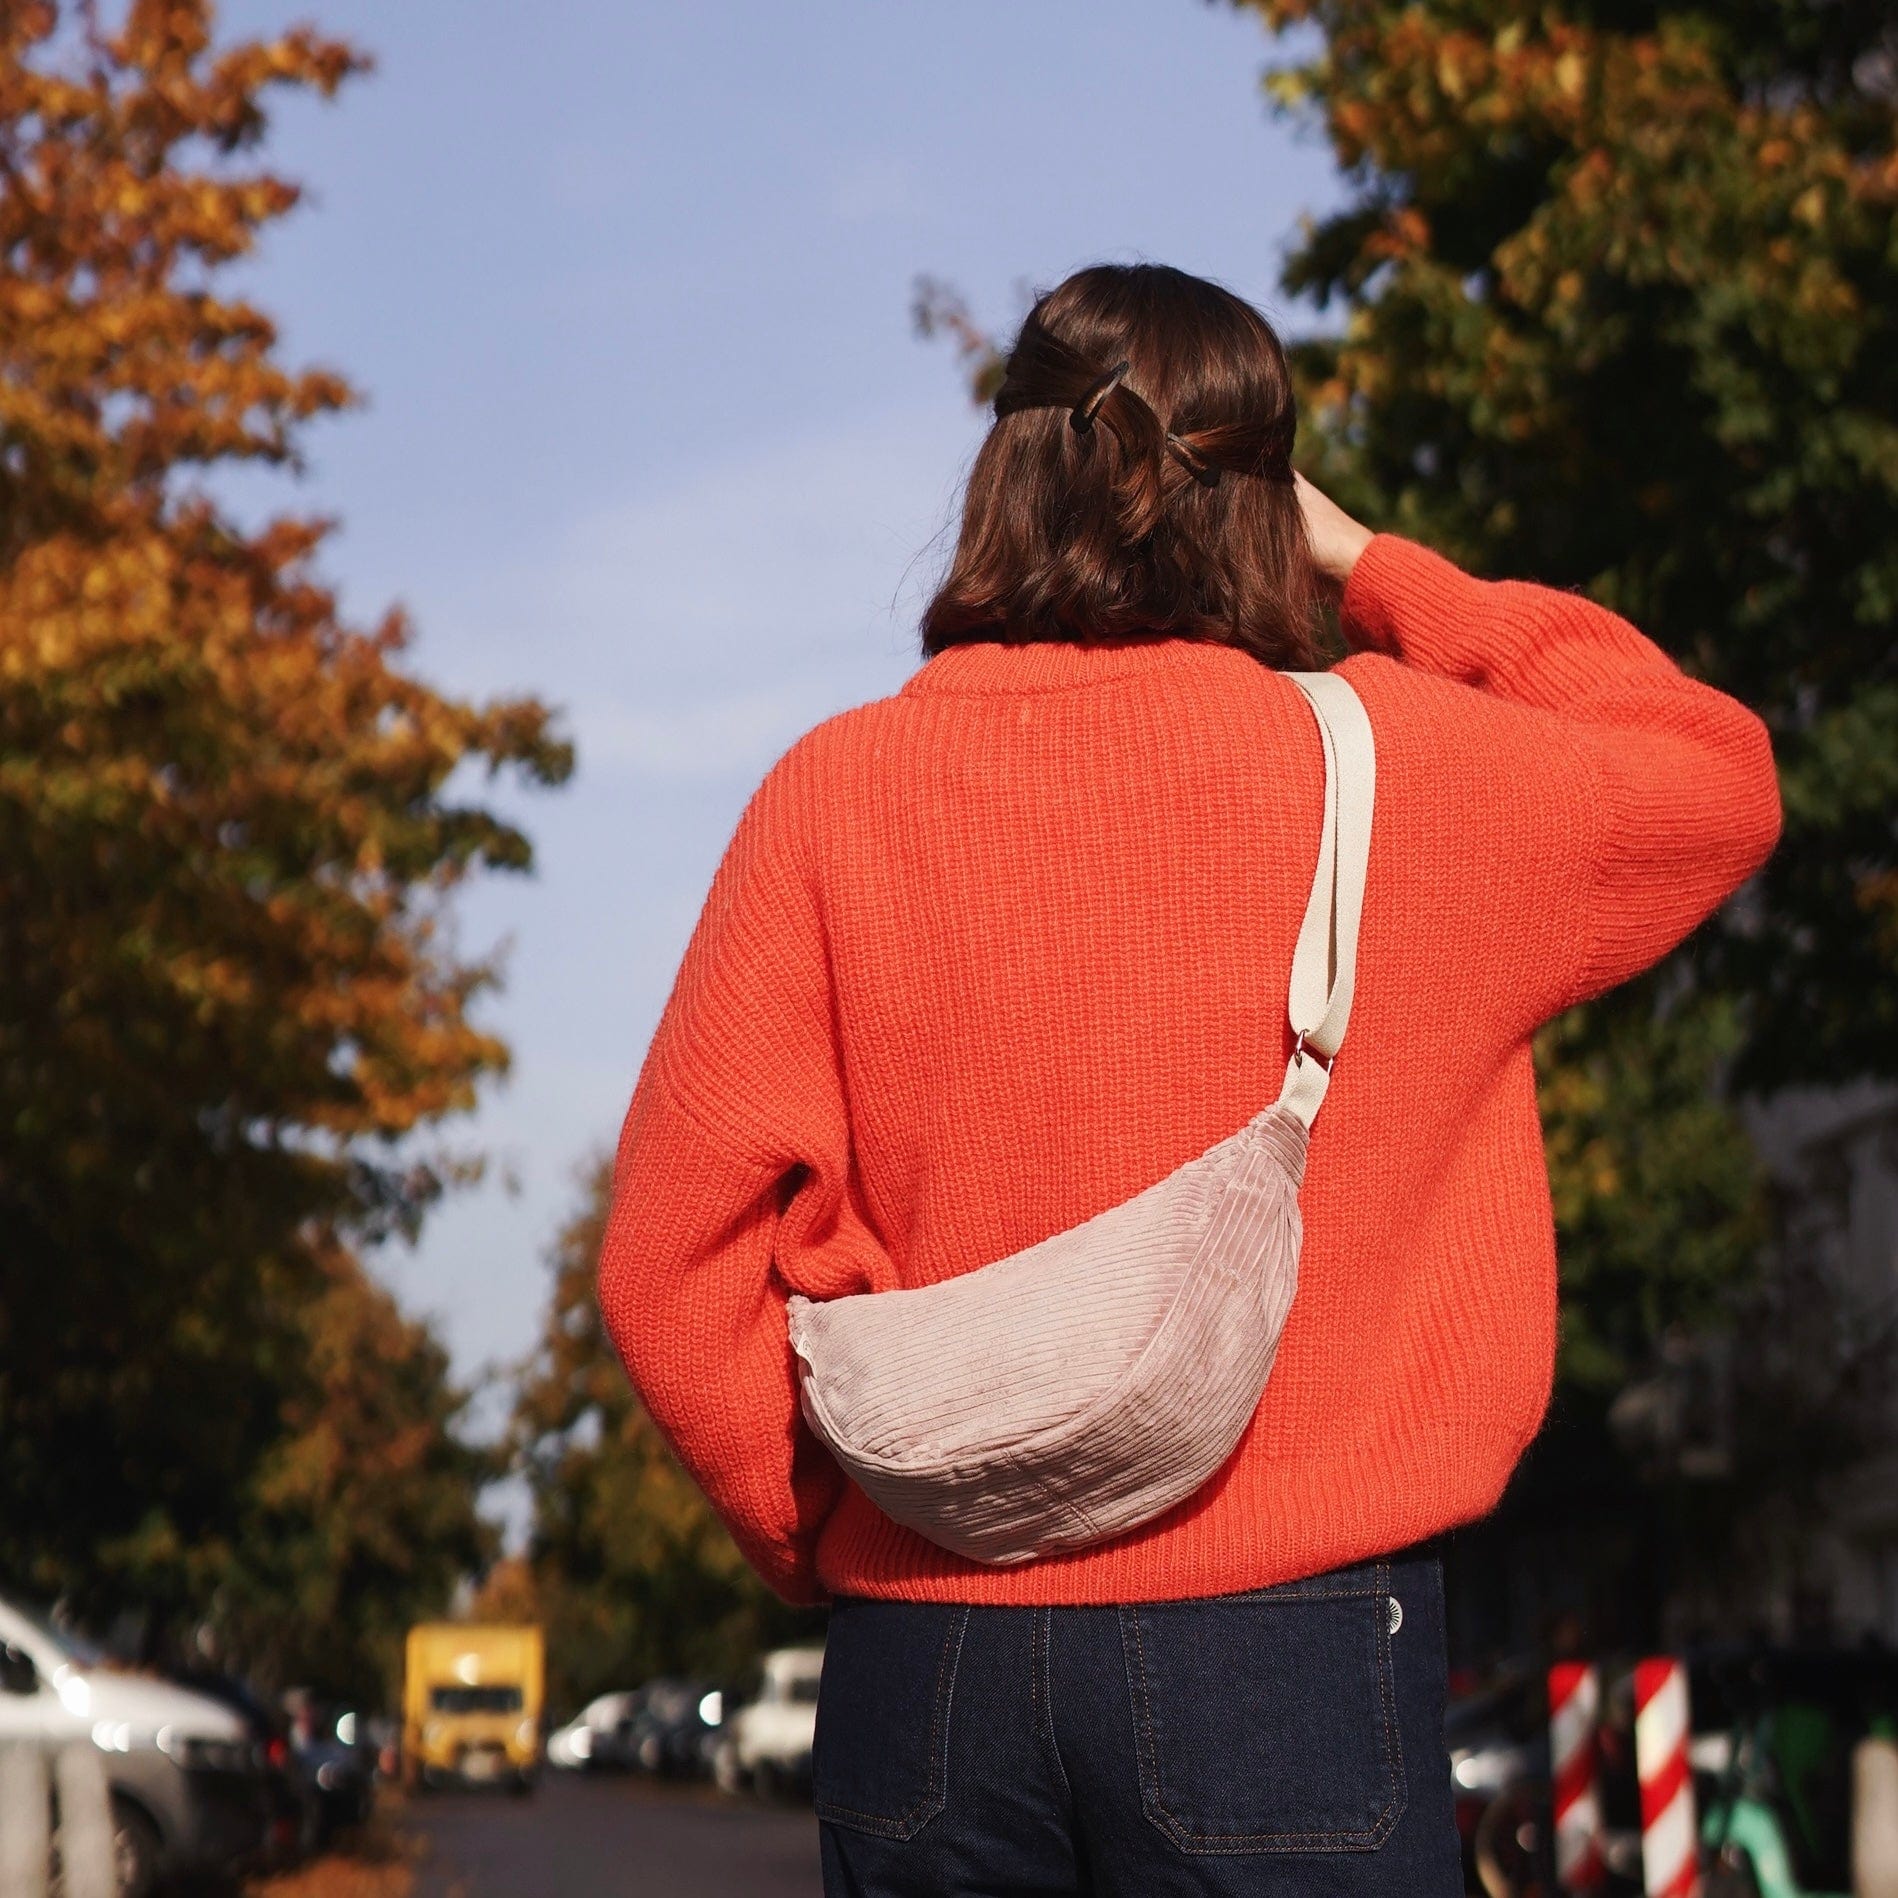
(993, 954)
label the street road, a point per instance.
(627, 1838)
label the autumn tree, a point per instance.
(363, 1513)
(231, 824)
(635, 1575)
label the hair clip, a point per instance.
(1195, 464)
(1083, 412)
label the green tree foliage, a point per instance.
(1656, 1195)
(230, 828)
(635, 1575)
(1617, 286)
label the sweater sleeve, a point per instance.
(735, 1148)
(1680, 796)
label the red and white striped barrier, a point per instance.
(1574, 1716)
(1670, 1842)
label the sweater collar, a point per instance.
(987, 665)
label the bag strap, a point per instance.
(1324, 965)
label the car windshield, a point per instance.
(74, 1647)
(475, 1699)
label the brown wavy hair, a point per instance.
(1137, 481)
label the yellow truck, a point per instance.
(471, 1705)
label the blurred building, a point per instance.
(1747, 1486)
(1833, 1156)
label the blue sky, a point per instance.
(648, 434)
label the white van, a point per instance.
(187, 1791)
(766, 1744)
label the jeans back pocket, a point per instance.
(880, 1759)
(1267, 1721)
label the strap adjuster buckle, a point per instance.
(1301, 1053)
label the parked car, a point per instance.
(293, 1801)
(676, 1726)
(337, 1755)
(766, 1743)
(187, 1790)
(599, 1737)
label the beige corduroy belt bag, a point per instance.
(1078, 1388)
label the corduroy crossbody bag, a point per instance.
(1078, 1388)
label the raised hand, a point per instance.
(1336, 539)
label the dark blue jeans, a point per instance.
(1286, 1741)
